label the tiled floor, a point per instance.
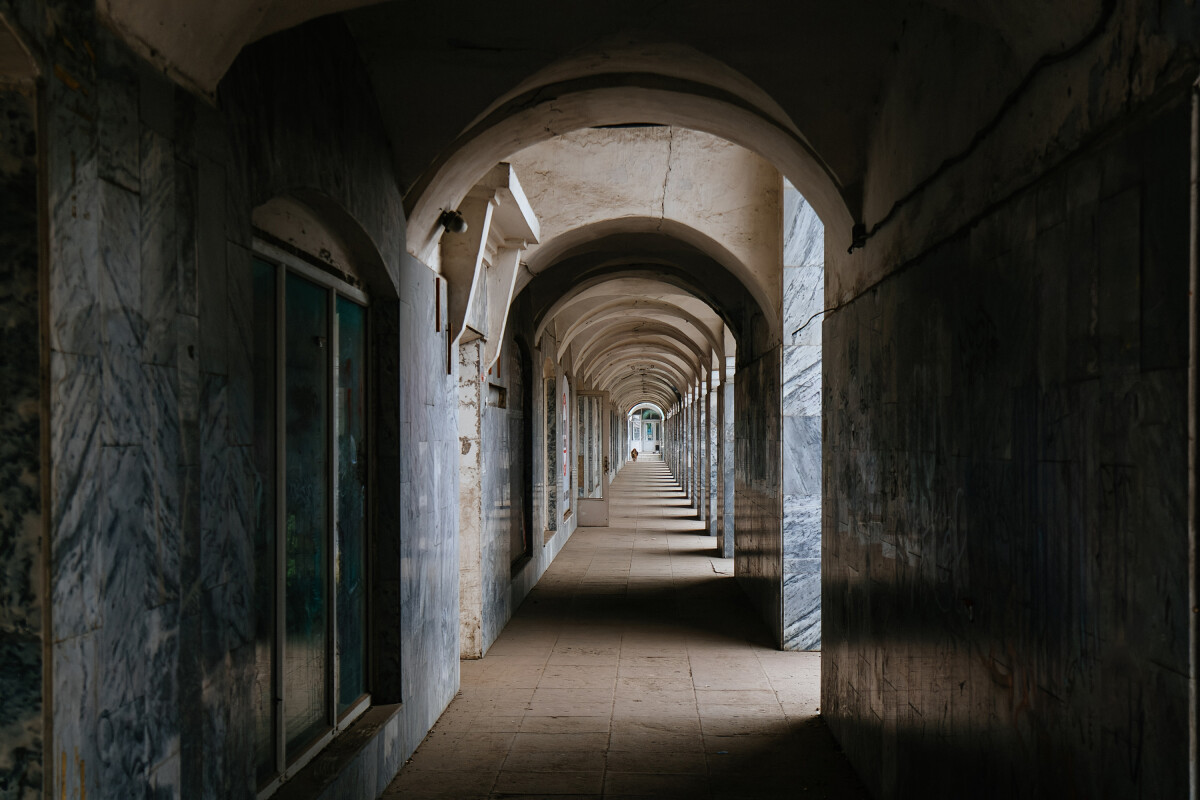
(635, 668)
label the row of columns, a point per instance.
(698, 449)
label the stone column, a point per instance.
(685, 438)
(702, 450)
(728, 460)
(713, 454)
(697, 422)
(470, 502)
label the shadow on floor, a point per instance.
(635, 668)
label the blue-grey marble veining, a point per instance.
(159, 283)
(1006, 492)
(74, 496)
(803, 233)
(728, 466)
(21, 408)
(803, 303)
(758, 501)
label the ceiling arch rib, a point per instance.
(661, 369)
(599, 352)
(613, 99)
(631, 396)
(657, 347)
(665, 313)
(639, 360)
(655, 387)
(634, 327)
(661, 365)
(653, 407)
(652, 263)
(646, 286)
(640, 379)
(597, 345)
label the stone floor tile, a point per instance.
(427, 785)
(624, 784)
(658, 761)
(512, 782)
(576, 676)
(567, 742)
(545, 724)
(636, 669)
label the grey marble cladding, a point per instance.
(1005, 500)
(22, 605)
(803, 233)
(502, 429)
(758, 501)
(803, 303)
(150, 505)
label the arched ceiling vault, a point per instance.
(639, 330)
(829, 93)
(591, 352)
(648, 266)
(626, 358)
(636, 332)
(676, 315)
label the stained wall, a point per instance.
(758, 473)
(21, 416)
(150, 554)
(506, 580)
(1006, 556)
(803, 301)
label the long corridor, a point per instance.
(635, 668)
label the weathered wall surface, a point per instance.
(151, 480)
(758, 497)
(427, 539)
(1005, 562)
(803, 300)
(502, 480)
(21, 601)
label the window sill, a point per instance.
(352, 755)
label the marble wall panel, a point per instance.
(803, 301)
(1005, 542)
(728, 533)
(150, 196)
(714, 464)
(758, 500)
(159, 284)
(22, 604)
(803, 232)
(74, 496)
(507, 583)
(429, 554)
(123, 385)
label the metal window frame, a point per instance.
(286, 262)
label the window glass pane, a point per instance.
(350, 576)
(262, 347)
(307, 505)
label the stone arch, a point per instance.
(669, 85)
(314, 222)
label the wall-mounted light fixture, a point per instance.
(453, 222)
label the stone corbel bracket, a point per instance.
(480, 265)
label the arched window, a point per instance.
(310, 500)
